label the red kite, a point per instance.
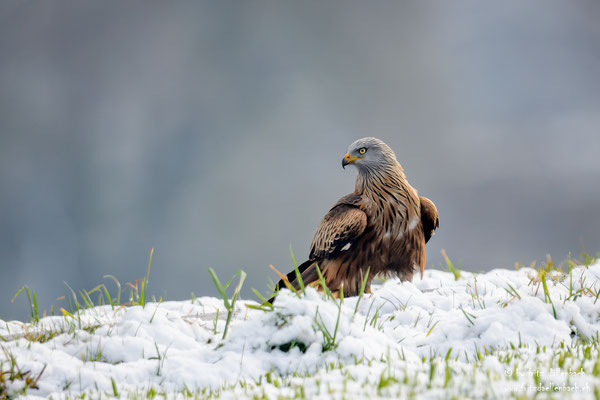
(383, 225)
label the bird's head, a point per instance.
(369, 154)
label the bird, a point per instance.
(381, 227)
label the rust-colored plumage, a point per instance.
(383, 225)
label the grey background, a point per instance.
(214, 131)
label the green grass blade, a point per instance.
(34, 307)
(219, 287)
(455, 271)
(229, 306)
(114, 387)
(265, 302)
(86, 299)
(323, 284)
(16, 294)
(297, 271)
(238, 288)
(547, 297)
(430, 330)
(363, 286)
(337, 322)
(144, 291)
(77, 305)
(118, 300)
(230, 311)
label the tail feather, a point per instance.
(307, 273)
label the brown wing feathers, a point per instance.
(429, 217)
(342, 224)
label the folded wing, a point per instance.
(429, 217)
(338, 229)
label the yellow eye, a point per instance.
(362, 150)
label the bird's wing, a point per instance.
(337, 230)
(429, 217)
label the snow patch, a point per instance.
(172, 345)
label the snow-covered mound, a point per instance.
(493, 334)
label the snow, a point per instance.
(495, 332)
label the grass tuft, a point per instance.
(144, 291)
(547, 298)
(32, 302)
(229, 305)
(10, 373)
(297, 271)
(455, 271)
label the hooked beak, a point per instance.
(348, 159)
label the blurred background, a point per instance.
(214, 132)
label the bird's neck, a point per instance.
(388, 189)
(391, 176)
(389, 182)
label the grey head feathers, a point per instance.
(370, 154)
